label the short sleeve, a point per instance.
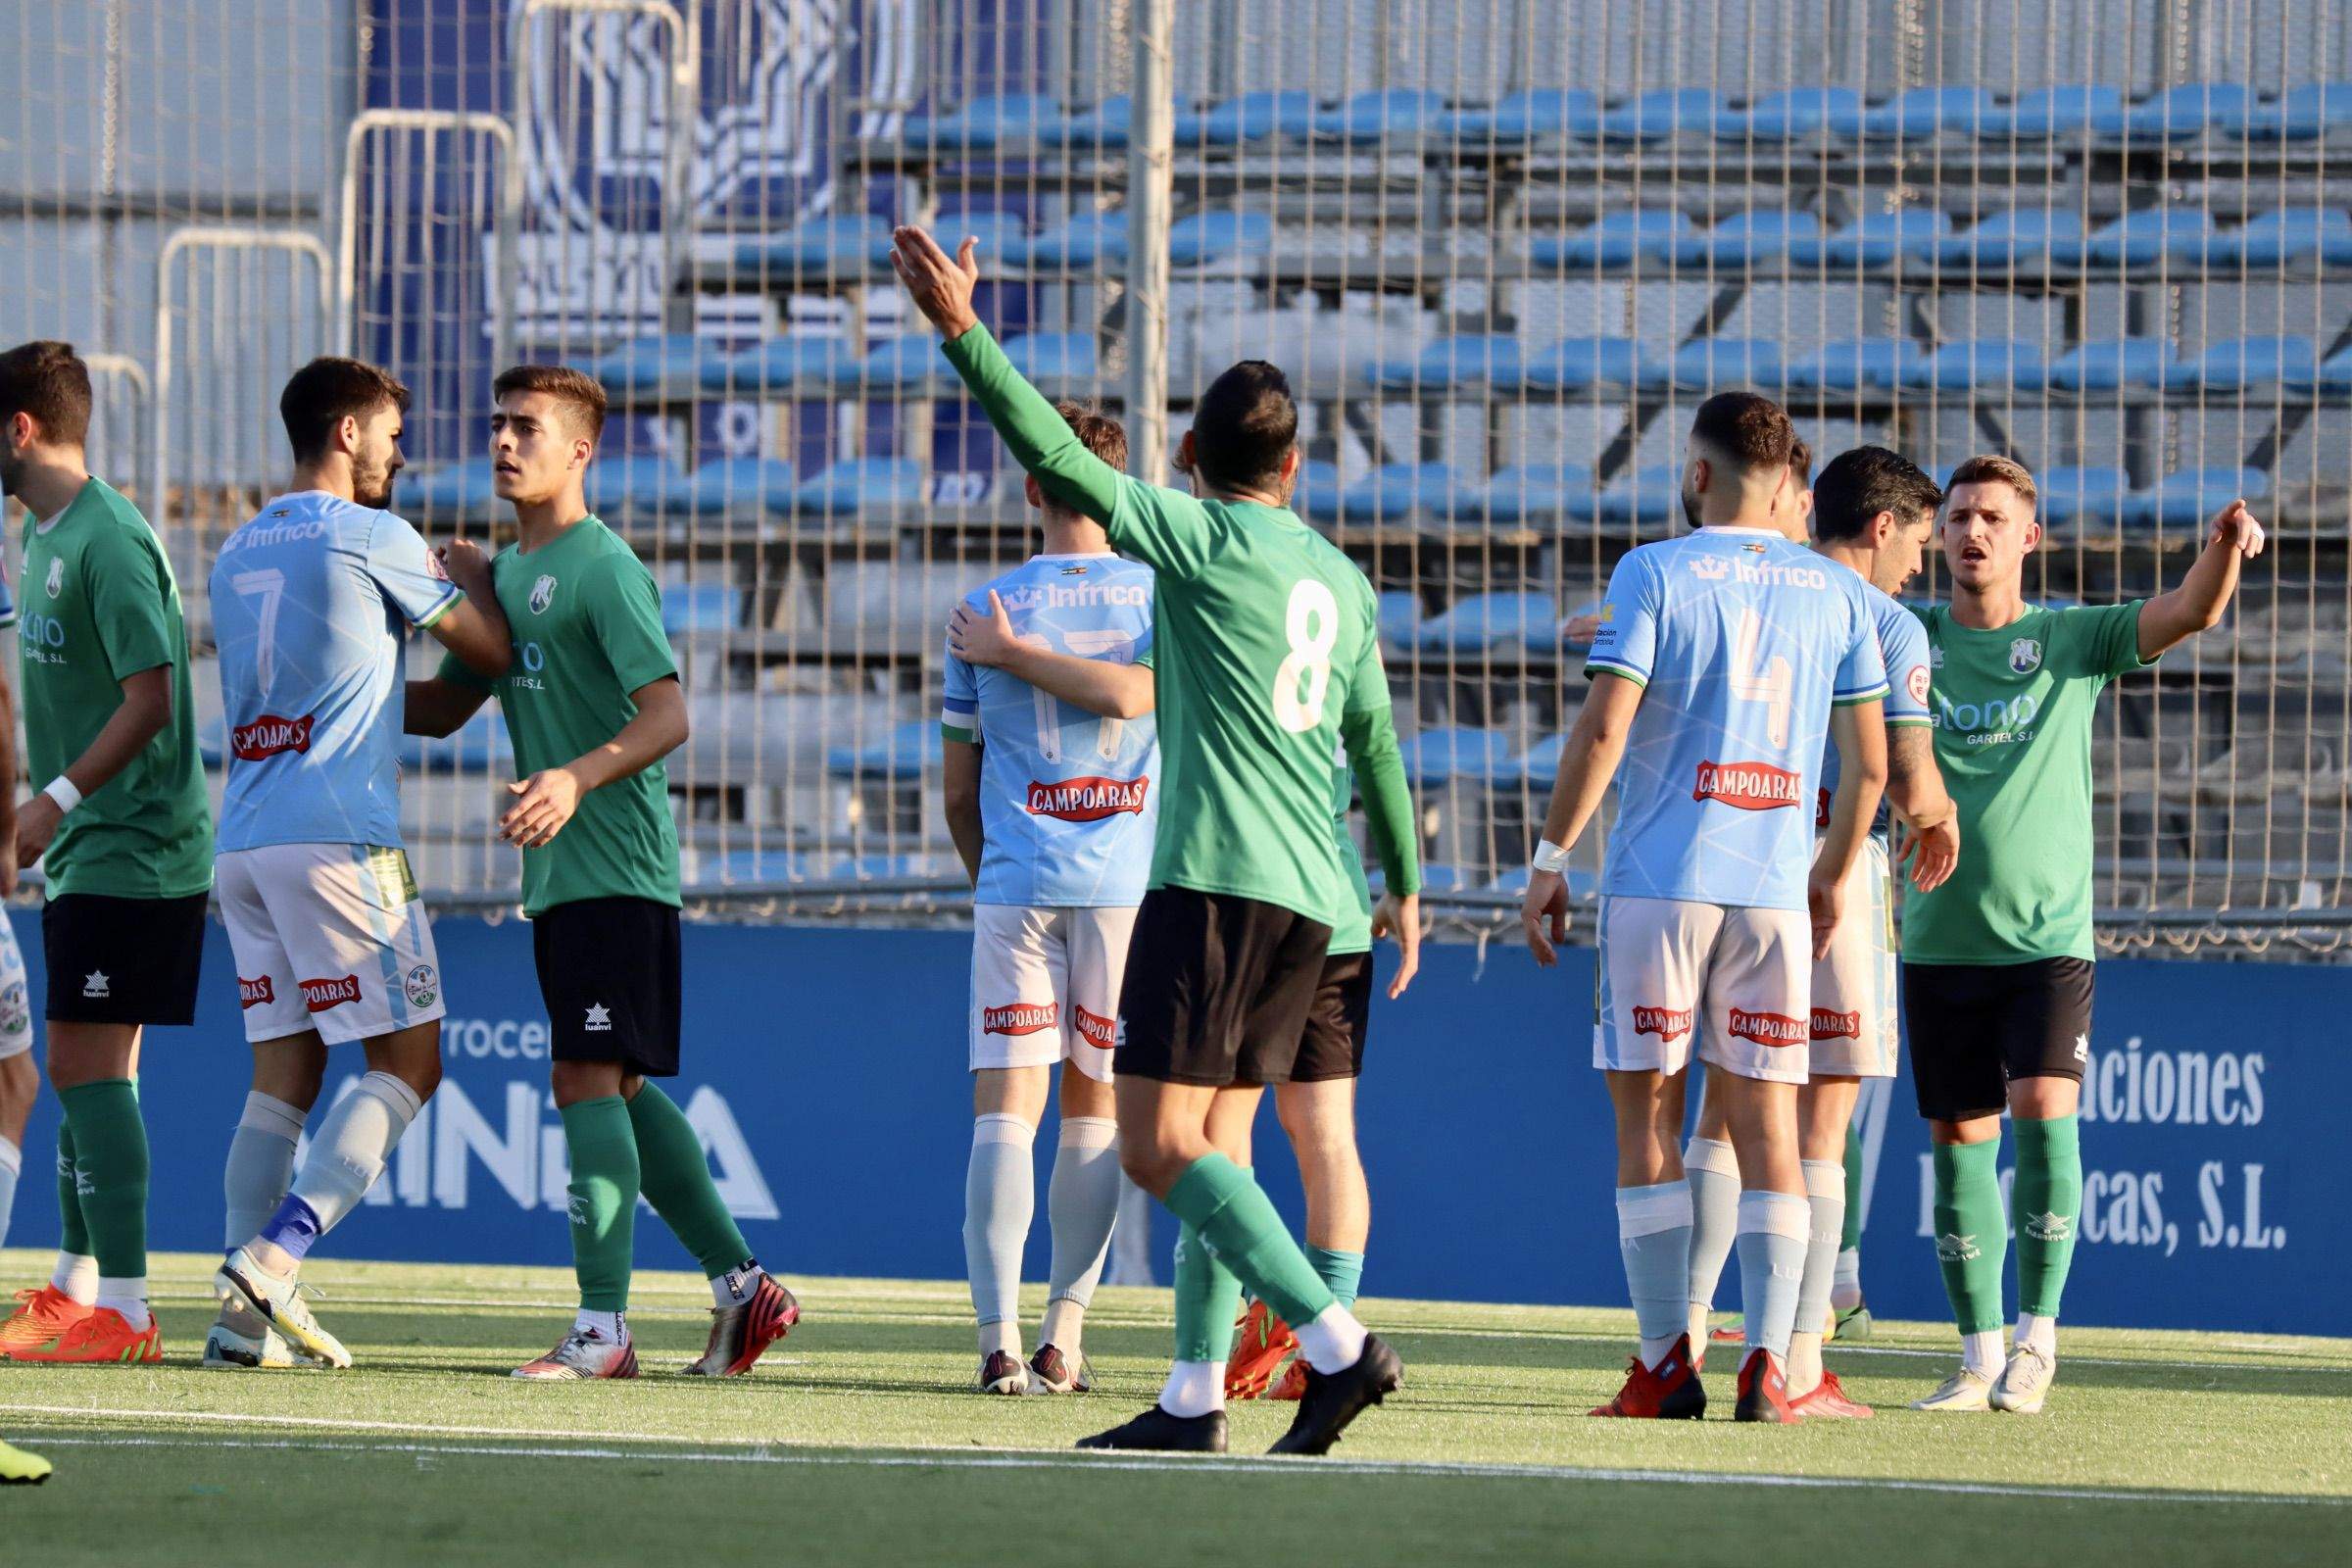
(1862, 672)
(128, 597)
(959, 702)
(1143, 649)
(1627, 641)
(1904, 644)
(2104, 639)
(624, 612)
(404, 567)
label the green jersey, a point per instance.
(587, 623)
(1268, 660)
(2012, 709)
(99, 605)
(1352, 931)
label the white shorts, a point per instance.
(1737, 982)
(1046, 986)
(1854, 987)
(330, 937)
(16, 1007)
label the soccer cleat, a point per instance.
(1827, 1401)
(1159, 1432)
(1001, 1372)
(1051, 1372)
(101, 1333)
(1260, 1340)
(1733, 1330)
(39, 1321)
(1293, 1386)
(1851, 1323)
(1961, 1392)
(1669, 1391)
(581, 1354)
(1763, 1390)
(740, 1332)
(2024, 1383)
(277, 1301)
(241, 1341)
(20, 1469)
(1332, 1399)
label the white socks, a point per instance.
(1845, 1284)
(1980, 1353)
(1193, 1387)
(611, 1327)
(1713, 1172)
(260, 1162)
(2041, 1333)
(77, 1275)
(1000, 1197)
(1082, 1202)
(11, 1165)
(1334, 1341)
(1772, 1266)
(353, 1143)
(127, 1296)
(1653, 1239)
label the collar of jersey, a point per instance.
(1741, 528)
(1088, 555)
(42, 526)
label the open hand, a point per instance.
(986, 640)
(942, 285)
(1930, 853)
(543, 804)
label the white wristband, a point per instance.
(61, 790)
(1549, 856)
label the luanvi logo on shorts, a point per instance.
(1827, 1025)
(320, 995)
(1095, 1030)
(542, 592)
(1020, 1018)
(270, 735)
(1749, 786)
(254, 993)
(1088, 800)
(598, 1020)
(1669, 1024)
(1768, 1028)
(94, 984)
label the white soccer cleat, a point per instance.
(2024, 1383)
(581, 1355)
(1962, 1393)
(277, 1301)
(241, 1341)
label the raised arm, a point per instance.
(1102, 686)
(1589, 760)
(2198, 604)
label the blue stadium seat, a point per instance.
(1396, 492)
(1647, 497)
(1483, 621)
(2306, 113)
(481, 745)
(1611, 242)
(1981, 365)
(981, 123)
(1855, 365)
(845, 243)
(1746, 239)
(2001, 242)
(1104, 128)
(1582, 363)
(1662, 115)
(1525, 117)
(2046, 112)
(742, 485)
(1790, 115)
(2080, 497)
(2171, 236)
(1079, 244)
(1252, 116)
(901, 755)
(702, 606)
(644, 367)
(1206, 238)
(1369, 117)
(1399, 615)
(1043, 355)
(1472, 360)
(1319, 493)
(2188, 499)
(1003, 236)
(1546, 494)
(859, 483)
(2246, 364)
(458, 490)
(2178, 114)
(907, 363)
(636, 482)
(1872, 240)
(2111, 365)
(764, 867)
(799, 365)
(2335, 379)
(2286, 237)
(1436, 758)
(1717, 364)
(1921, 113)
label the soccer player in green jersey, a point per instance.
(1267, 661)
(124, 832)
(1997, 960)
(593, 703)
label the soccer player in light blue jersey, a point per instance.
(1722, 661)
(19, 1082)
(312, 605)
(1052, 801)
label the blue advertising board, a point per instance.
(824, 1070)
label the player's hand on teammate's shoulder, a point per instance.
(985, 640)
(2237, 526)
(1401, 919)
(941, 284)
(468, 565)
(544, 803)
(1931, 853)
(1543, 915)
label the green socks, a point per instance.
(1972, 1235)
(2048, 1200)
(677, 1182)
(1208, 1296)
(1852, 1236)
(1341, 1271)
(109, 1157)
(1224, 1204)
(75, 1238)
(604, 1200)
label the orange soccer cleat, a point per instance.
(1293, 1386)
(1828, 1400)
(1668, 1391)
(1260, 1340)
(99, 1334)
(41, 1319)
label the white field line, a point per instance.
(1003, 1459)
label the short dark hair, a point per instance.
(328, 390)
(1857, 485)
(1746, 427)
(1989, 470)
(47, 380)
(1801, 461)
(1096, 431)
(1244, 426)
(578, 391)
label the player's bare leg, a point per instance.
(1000, 1197)
(20, 1087)
(1082, 1204)
(1653, 1238)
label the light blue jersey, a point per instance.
(1903, 645)
(312, 601)
(8, 599)
(1067, 801)
(1743, 640)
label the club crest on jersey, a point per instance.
(1095, 1030)
(1749, 786)
(2025, 656)
(543, 594)
(1020, 1018)
(1711, 568)
(1917, 684)
(1669, 1024)
(1829, 1025)
(320, 995)
(57, 575)
(269, 736)
(254, 993)
(1772, 1029)
(1088, 800)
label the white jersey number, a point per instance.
(269, 585)
(1754, 680)
(1312, 625)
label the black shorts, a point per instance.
(1334, 1047)
(123, 960)
(609, 972)
(1976, 1027)
(1218, 989)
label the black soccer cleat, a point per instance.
(1159, 1432)
(1335, 1398)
